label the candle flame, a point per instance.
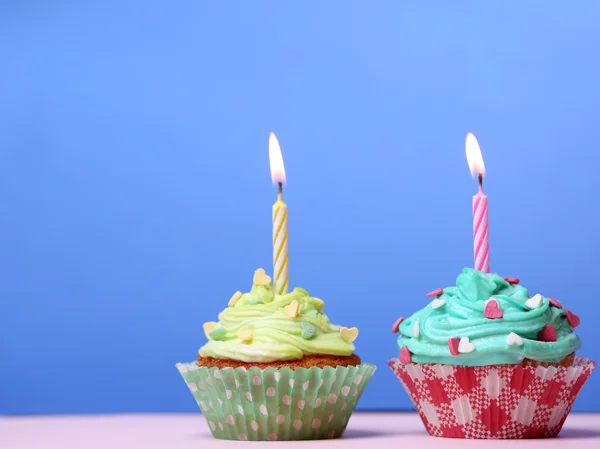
(276, 160)
(474, 158)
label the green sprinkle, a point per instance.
(254, 302)
(308, 330)
(218, 333)
(313, 313)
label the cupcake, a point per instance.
(485, 359)
(275, 368)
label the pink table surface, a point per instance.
(189, 431)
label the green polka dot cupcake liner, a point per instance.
(277, 404)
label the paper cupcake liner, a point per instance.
(493, 402)
(276, 404)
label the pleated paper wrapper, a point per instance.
(493, 402)
(277, 404)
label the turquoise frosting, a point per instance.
(462, 315)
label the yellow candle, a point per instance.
(280, 214)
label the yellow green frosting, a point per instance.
(261, 326)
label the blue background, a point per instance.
(136, 194)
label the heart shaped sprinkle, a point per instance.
(436, 292)
(555, 303)
(292, 308)
(261, 278)
(572, 319)
(208, 326)
(453, 345)
(218, 333)
(514, 340)
(396, 325)
(246, 334)
(308, 330)
(234, 299)
(437, 303)
(547, 334)
(405, 355)
(535, 302)
(465, 346)
(511, 280)
(319, 303)
(348, 335)
(416, 329)
(492, 311)
(313, 313)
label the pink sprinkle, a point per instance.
(547, 334)
(555, 303)
(511, 280)
(453, 345)
(492, 311)
(405, 355)
(572, 319)
(436, 292)
(396, 325)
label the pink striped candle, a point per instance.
(481, 243)
(481, 246)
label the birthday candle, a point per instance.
(280, 215)
(481, 246)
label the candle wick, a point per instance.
(480, 182)
(279, 190)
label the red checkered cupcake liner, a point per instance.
(493, 402)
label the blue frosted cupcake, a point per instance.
(485, 359)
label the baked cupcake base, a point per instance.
(308, 361)
(493, 402)
(277, 404)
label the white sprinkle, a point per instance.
(514, 339)
(437, 303)
(415, 329)
(465, 346)
(535, 302)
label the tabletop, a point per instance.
(189, 431)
